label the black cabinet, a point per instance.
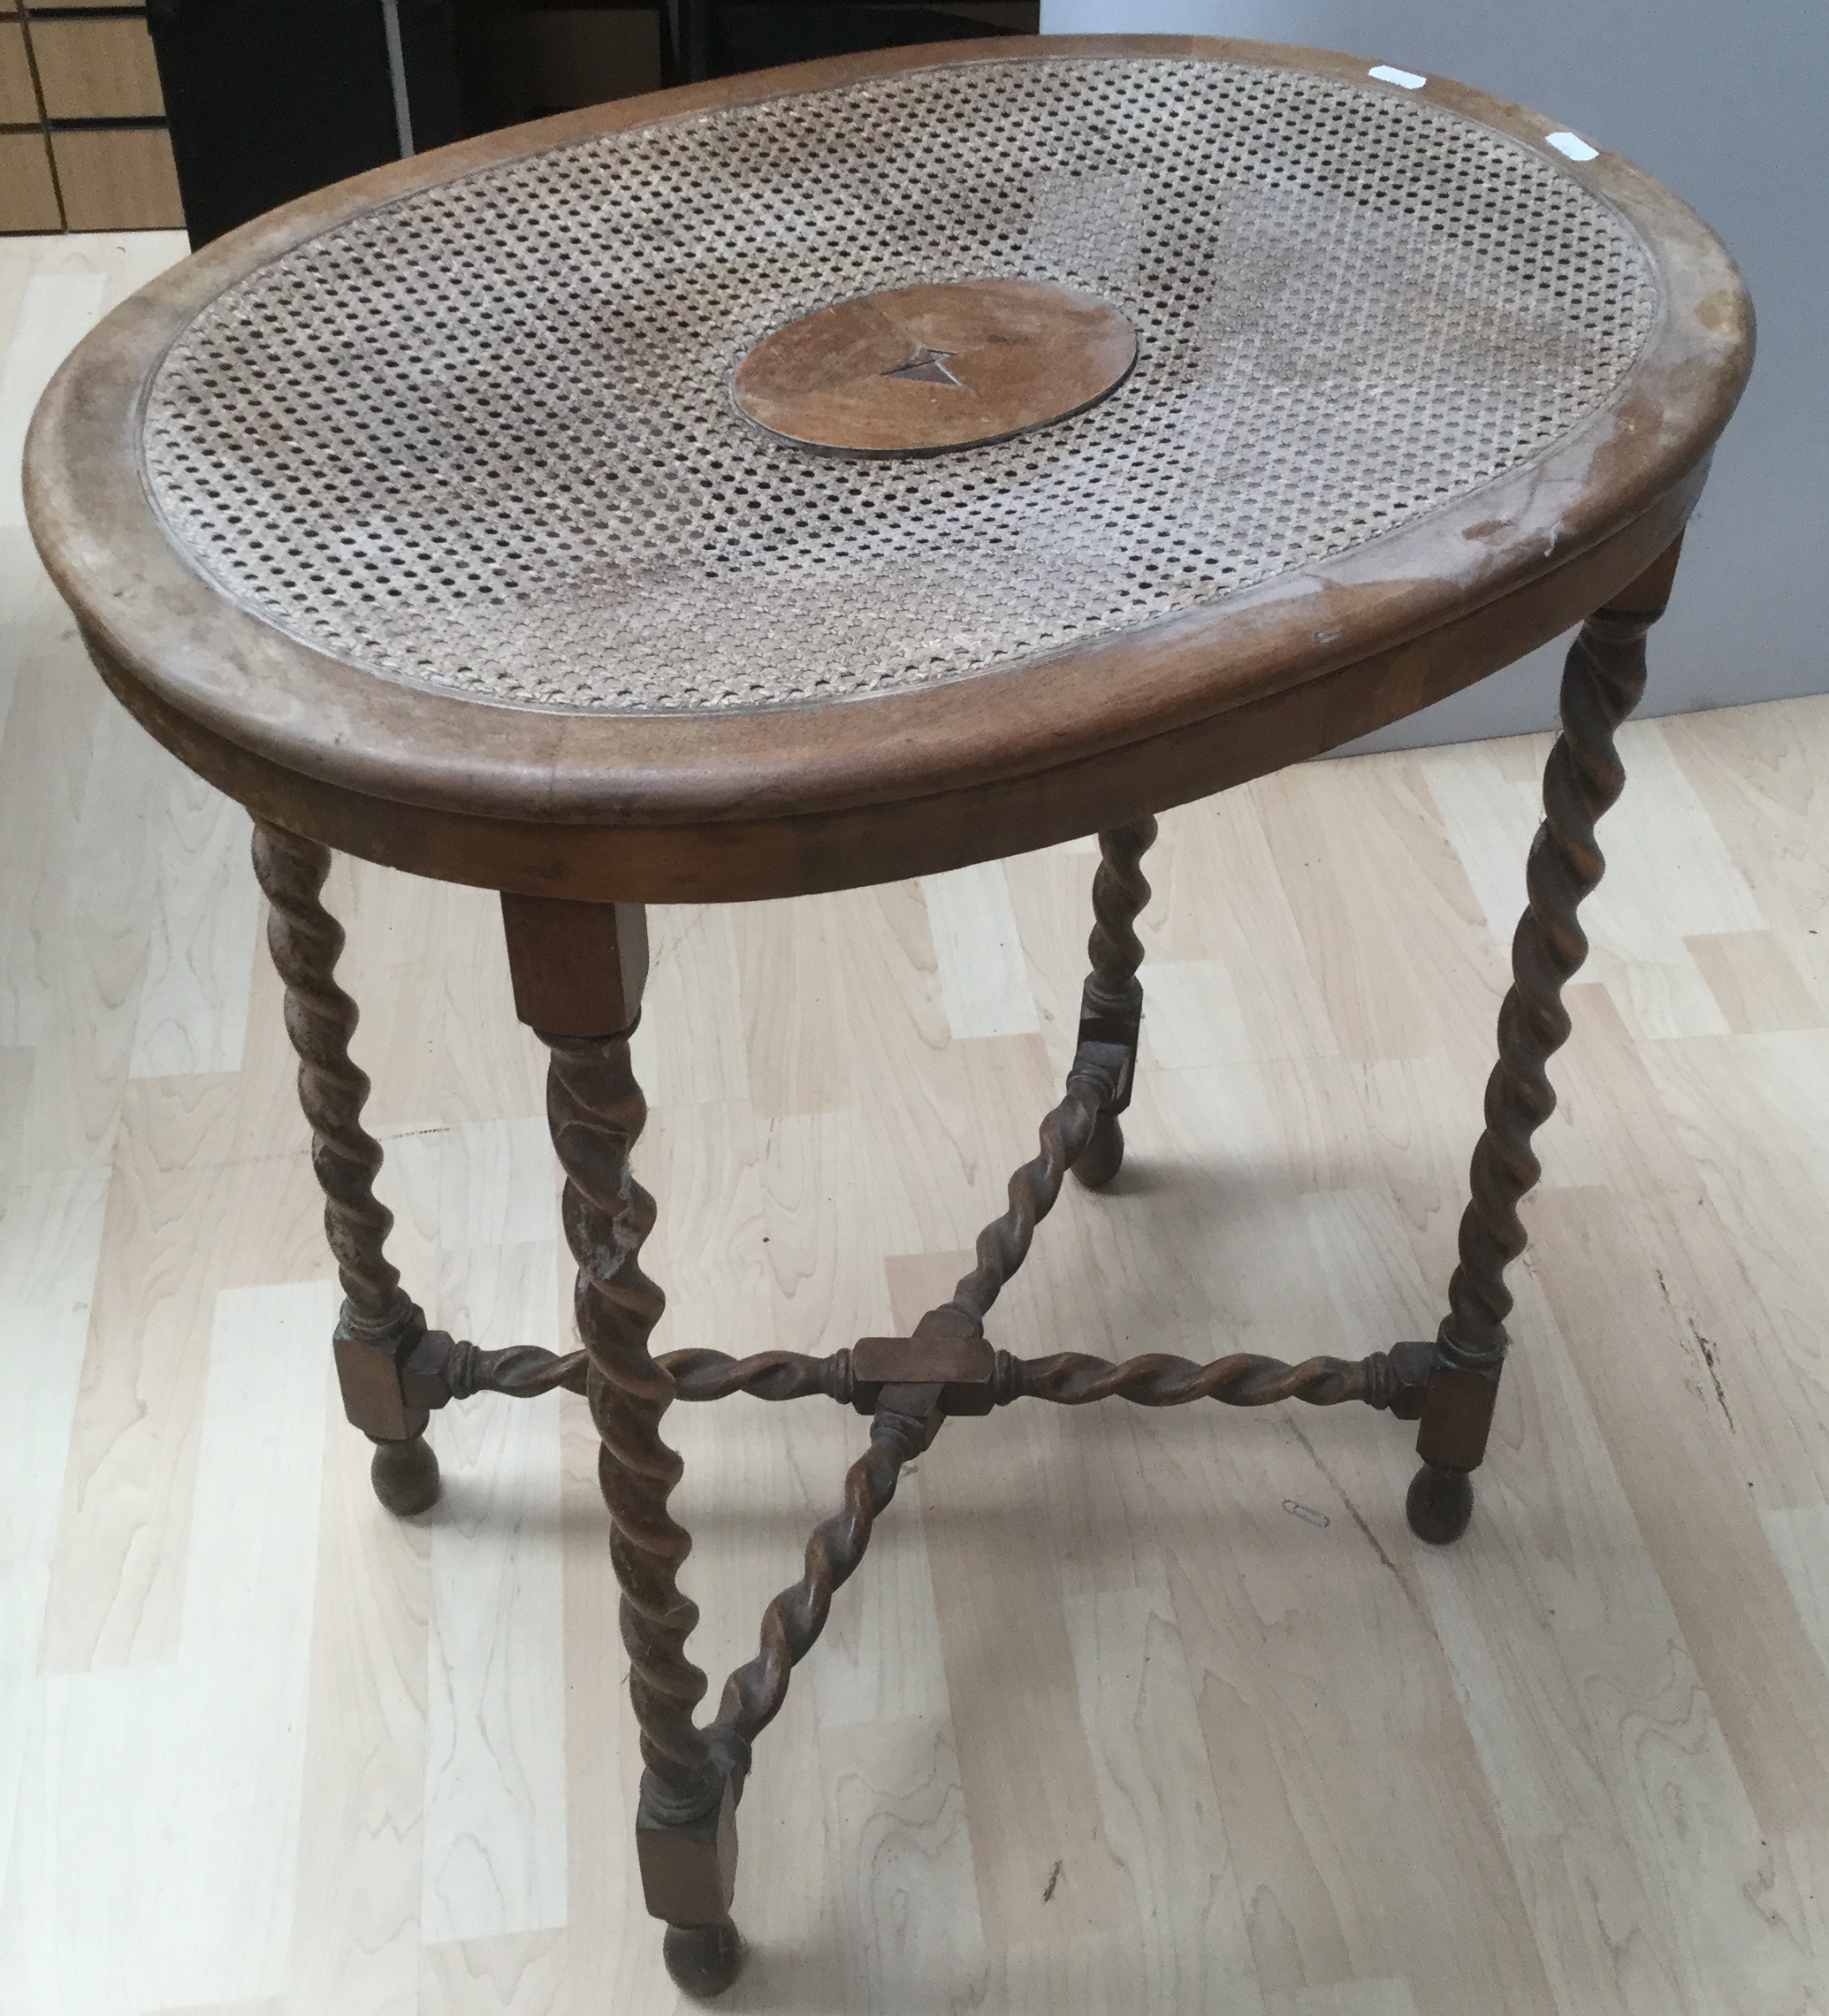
(747, 34)
(269, 99)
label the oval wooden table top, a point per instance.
(423, 515)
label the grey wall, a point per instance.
(1724, 104)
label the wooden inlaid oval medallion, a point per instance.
(918, 371)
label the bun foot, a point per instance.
(1103, 1155)
(1440, 1503)
(405, 1476)
(703, 1959)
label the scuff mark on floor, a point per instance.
(1708, 1358)
(1708, 1348)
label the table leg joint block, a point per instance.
(1457, 1415)
(946, 1352)
(1109, 1036)
(688, 1864)
(378, 1397)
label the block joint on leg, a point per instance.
(686, 1850)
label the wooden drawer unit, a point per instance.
(83, 143)
(101, 68)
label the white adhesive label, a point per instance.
(1409, 78)
(1573, 145)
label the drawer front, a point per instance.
(29, 197)
(117, 179)
(97, 69)
(19, 101)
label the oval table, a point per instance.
(848, 473)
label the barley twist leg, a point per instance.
(685, 1828)
(1111, 1007)
(378, 1325)
(1602, 680)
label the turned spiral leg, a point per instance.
(1111, 1007)
(378, 1325)
(597, 1113)
(578, 970)
(1602, 680)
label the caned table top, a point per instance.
(559, 510)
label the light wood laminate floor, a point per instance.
(1126, 1712)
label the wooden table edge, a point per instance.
(457, 757)
(749, 859)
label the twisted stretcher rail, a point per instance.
(597, 1112)
(1070, 1378)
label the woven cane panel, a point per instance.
(483, 437)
